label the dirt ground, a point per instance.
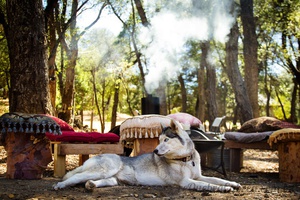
(259, 180)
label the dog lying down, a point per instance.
(174, 162)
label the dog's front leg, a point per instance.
(219, 181)
(203, 186)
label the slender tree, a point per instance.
(235, 77)
(68, 85)
(50, 19)
(183, 93)
(211, 83)
(115, 103)
(250, 53)
(201, 100)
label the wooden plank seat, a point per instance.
(80, 143)
(61, 149)
(286, 141)
(236, 151)
(267, 133)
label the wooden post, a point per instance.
(59, 161)
(236, 160)
(144, 145)
(83, 158)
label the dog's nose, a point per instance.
(155, 151)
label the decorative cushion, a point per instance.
(186, 119)
(143, 126)
(83, 137)
(64, 126)
(284, 135)
(28, 123)
(262, 124)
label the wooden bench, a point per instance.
(236, 152)
(60, 150)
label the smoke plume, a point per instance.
(175, 24)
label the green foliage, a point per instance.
(4, 65)
(109, 58)
(113, 61)
(278, 21)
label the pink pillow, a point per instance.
(64, 126)
(90, 137)
(186, 119)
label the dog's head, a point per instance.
(174, 142)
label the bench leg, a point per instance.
(59, 163)
(83, 158)
(236, 160)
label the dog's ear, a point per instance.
(162, 127)
(173, 126)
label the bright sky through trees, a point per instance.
(107, 20)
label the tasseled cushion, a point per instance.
(284, 135)
(143, 126)
(28, 123)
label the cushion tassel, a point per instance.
(146, 134)
(26, 127)
(151, 133)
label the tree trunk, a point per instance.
(101, 115)
(128, 100)
(250, 54)
(115, 105)
(235, 77)
(101, 112)
(183, 94)
(201, 91)
(72, 55)
(141, 12)
(295, 69)
(211, 84)
(134, 44)
(51, 29)
(28, 59)
(281, 105)
(293, 117)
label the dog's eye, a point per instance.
(166, 140)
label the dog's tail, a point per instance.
(71, 173)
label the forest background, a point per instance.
(238, 59)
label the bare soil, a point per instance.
(259, 179)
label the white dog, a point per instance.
(174, 162)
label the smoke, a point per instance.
(173, 26)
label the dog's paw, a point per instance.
(58, 185)
(236, 186)
(227, 189)
(89, 185)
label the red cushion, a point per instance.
(90, 137)
(64, 126)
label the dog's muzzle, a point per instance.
(156, 152)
